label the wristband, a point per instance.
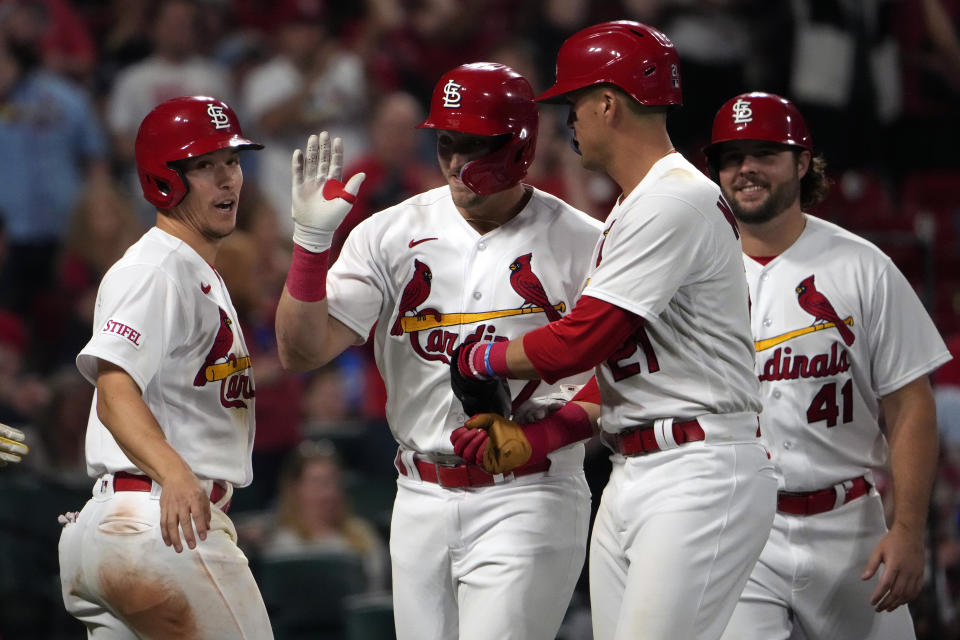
(568, 425)
(487, 360)
(307, 277)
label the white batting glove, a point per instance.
(539, 407)
(11, 447)
(320, 200)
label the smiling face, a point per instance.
(456, 149)
(210, 206)
(760, 179)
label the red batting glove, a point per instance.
(469, 444)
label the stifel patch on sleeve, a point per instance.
(124, 331)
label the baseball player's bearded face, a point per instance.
(210, 206)
(759, 179)
(456, 149)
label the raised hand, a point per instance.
(320, 200)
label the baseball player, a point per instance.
(840, 339)
(153, 553)
(12, 447)
(663, 319)
(474, 555)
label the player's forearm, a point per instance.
(593, 414)
(518, 363)
(302, 329)
(910, 415)
(123, 412)
(579, 341)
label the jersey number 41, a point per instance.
(824, 405)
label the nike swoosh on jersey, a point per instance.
(414, 243)
(205, 288)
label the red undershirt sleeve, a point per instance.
(579, 341)
(590, 392)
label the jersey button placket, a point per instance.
(471, 291)
(481, 245)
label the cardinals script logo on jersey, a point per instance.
(222, 365)
(439, 343)
(784, 364)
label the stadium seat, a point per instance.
(369, 617)
(859, 201)
(304, 592)
(30, 602)
(936, 195)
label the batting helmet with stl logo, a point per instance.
(758, 116)
(178, 129)
(488, 99)
(635, 57)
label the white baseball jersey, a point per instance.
(429, 281)
(837, 327)
(671, 254)
(822, 385)
(164, 316)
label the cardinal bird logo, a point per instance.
(817, 305)
(221, 347)
(526, 283)
(414, 294)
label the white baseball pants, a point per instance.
(123, 582)
(675, 539)
(490, 562)
(807, 585)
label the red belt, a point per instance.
(644, 440)
(123, 481)
(462, 475)
(808, 503)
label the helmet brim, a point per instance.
(477, 125)
(215, 143)
(556, 94)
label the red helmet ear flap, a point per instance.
(502, 168)
(178, 129)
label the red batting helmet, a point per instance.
(178, 129)
(639, 59)
(488, 99)
(759, 116)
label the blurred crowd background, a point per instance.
(878, 81)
